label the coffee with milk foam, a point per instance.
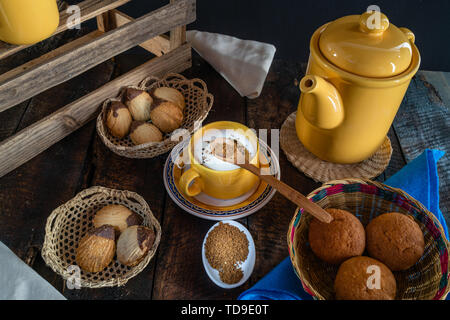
(203, 148)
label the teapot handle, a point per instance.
(409, 34)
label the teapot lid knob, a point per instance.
(373, 22)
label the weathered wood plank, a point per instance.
(439, 85)
(49, 55)
(56, 70)
(103, 22)
(139, 175)
(31, 141)
(114, 19)
(10, 119)
(29, 194)
(177, 35)
(88, 9)
(423, 121)
(397, 159)
(278, 99)
(179, 271)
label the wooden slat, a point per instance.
(158, 45)
(177, 35)
(11, 118)
(28, 195)
(54, 53)
(88, 9)
(103, 23)
(70, 64)
(114, 19)
(439, 85)
(34, 139)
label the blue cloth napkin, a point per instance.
(419, 179)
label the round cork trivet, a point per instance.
(324, 171)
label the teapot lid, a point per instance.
(367, 45)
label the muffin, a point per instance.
(396, 240)
(364, 278)
(339, 240)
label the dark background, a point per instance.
(289, 24)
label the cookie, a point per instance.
(339, 240)
(396, 240)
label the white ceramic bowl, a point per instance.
(246, 266)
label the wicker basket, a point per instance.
(68, 223)
(427, 279)
(198, 103)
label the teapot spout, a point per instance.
(321, 103)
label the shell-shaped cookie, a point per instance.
(139, 103)
(170, 94)
(118, 119)
(143, 132)
(133, 244)
(167, 116)
(96, 249)
(118, 216)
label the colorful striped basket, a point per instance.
(428, 279)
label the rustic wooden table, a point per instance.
(29, 193)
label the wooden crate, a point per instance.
(116, 33)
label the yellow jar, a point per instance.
(24, 22)
(357, 75)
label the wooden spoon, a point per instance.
(233, 152)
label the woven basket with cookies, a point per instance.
(381, 245)
(102, 236)
(140, 122)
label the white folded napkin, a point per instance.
(243, 63)
(19, 282)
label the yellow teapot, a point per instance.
(24, 22)
(358, 72)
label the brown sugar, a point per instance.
(226, 247)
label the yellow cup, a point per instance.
(25, 22)
(228, 184)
